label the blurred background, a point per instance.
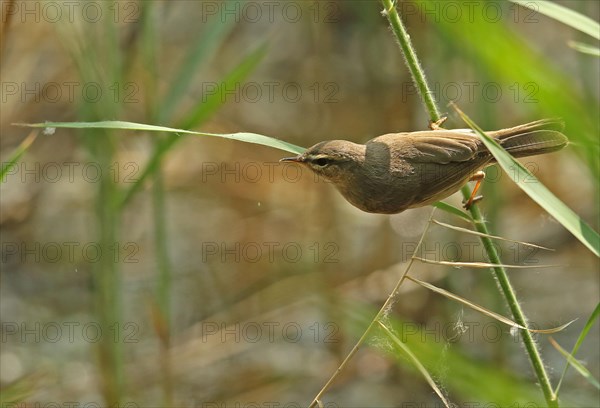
(147, 269)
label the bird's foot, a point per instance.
(478, 177)
(437, 125)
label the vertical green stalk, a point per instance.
(164, 279)
(163, 290)
(106, 275)
(162, 255)
(412, 62)
(513, 304)
(418, 75)
(109, 217)
(101, 44)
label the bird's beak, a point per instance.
(295, 159)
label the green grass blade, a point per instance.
(563, 14)
(582, 336)
(207, 42)
(241, 136)
(165, 145)
(210, 103)
(416, 362)
(539, 193)
(480, 234)
(584, 48)
(17, 153)
(576, 363)
(450, 209)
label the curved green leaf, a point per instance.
(584, 48)
(563, 14)
(539, 193)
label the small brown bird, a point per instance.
(398, 171)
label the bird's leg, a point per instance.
(478, 177)
(437, 125)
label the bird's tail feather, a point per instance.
(539, 137)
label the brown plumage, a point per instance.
(398, 171)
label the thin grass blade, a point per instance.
(563, 14)
(416, 362)
(450, 209)
(205, 45)
(584, 48)
(155, 159)
(481, 265)
(468, 231)
(483, 310)
(580, 339)
(210, 103)
(575, 363)
(17, 153)
(240, 136)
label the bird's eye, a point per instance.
(322, 161)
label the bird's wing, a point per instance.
(443, 147)
(438, 146)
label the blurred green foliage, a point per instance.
(175, 293)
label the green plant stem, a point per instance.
(164, 284)
(163, 296)
(106, 273)
(509, 294)
(513, 303)
(412, 62)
